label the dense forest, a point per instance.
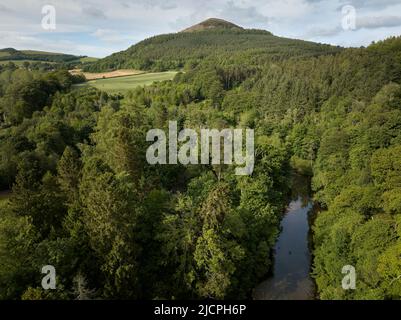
(85, 200)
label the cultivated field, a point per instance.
(88, 59)
(124, 84)
(106, 75)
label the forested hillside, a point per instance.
(12, 54)
(210, 38)
(85, 200)
(40, 60)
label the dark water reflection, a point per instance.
(291, 279)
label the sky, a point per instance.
(98, 28)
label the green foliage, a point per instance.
(85, 200)
(17, 240)
(357, 175)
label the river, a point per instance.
(290, 278)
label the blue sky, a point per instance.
(100, 27)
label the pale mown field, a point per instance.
(106, 75)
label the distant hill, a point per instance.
(211, 37)
(11, 54)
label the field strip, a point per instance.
(107, 75)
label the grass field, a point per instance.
(36, 52)
(88, 59)
(124, 84)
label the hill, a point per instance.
(11, 54)
(213, 37)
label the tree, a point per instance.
(111, 212)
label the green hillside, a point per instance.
(212, 38)
(10, 54)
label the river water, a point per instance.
(292, 259)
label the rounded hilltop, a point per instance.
(213, 23)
